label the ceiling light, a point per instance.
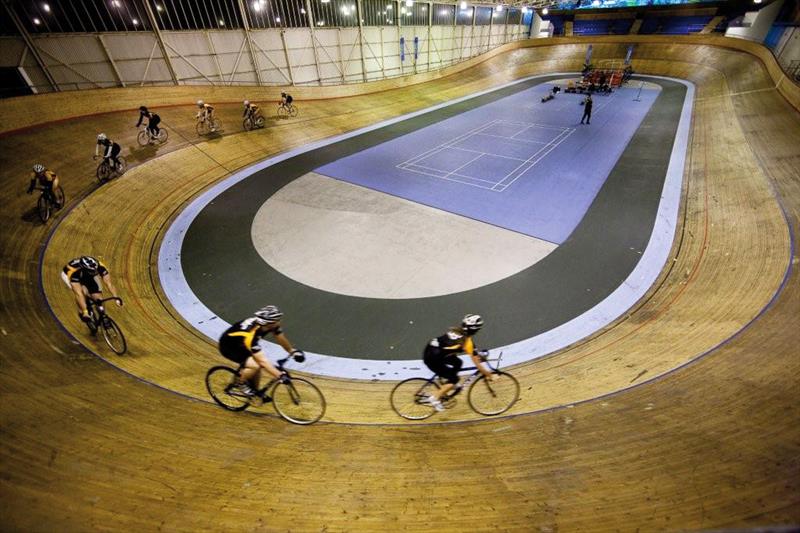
(463, 5)
(115, 3)
(37, 21)
(409, 3)
(46, 7)
(545, 11)
(499, 8)
(159, 8)
(277, 19)
(221, 22)
(595, 3)
(303, 10)
(321, 22)
(256, 6)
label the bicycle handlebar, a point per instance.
(117, 298)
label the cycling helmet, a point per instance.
(472, 323)
(268, 315)
(246, 103)
(38, 168)
(101, 137)
(200, 103)
(283, 94)
(90, 264)
(143, 109)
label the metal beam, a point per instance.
(160, 41)
(214, 55)
(246, 26)
(428, 44)
(72, 69)
(313, 39)
(209, 80)
(31, 46)
(149, 60)
(360, 15)
(111, 60)
(286, 55)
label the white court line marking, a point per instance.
(445, 174)
(533, 163)
(508, 138)
(485, 153)
(462, 166)
(455, 181)
(446, 144)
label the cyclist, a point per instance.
(441, 356)
(251, 110)
(152, 122)
(206, 113)
(239, 343)
(85, 277)
(286, 100)
(47, 180)
(110, 150)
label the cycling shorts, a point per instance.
(90, 286)
(444, 366)
(233, 349)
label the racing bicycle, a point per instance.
(253, 121)
(409, 398)
(49, 201)
(287, 110)
(295, 399)
(146, 136)
(111, 332)
(105, 172)
(209, 125)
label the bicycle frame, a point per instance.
(91, 304)
(476, 373)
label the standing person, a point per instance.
(110, 150)
(152, 121)
(441, 356)
(239, 344)
(587, 109)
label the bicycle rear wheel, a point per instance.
(495, 397)
(122, 166)
(163, 135)
(113, 336)
(43, 208)
(299, 401)
(220, 380)
(408, 398)
(259, 123)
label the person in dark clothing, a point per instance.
(152, 121)
(587, 110)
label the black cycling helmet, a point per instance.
(283, 94)
(268, 315)
(89, 264)
(143, 109)
(472, 324)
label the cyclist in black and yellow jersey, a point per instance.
(442, 356)
(239, 343)
(46, 179)
(251, 110)
(85, 276)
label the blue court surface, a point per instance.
(517, 163)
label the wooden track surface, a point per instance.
(714, 444)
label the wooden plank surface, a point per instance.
(715, 444)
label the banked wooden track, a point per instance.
(712, 444)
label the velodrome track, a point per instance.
(714, 443)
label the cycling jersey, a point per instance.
(240, 341)
(75, 274)
(452, 343)
(45, 179)
(110, 148)
(252, 109)
(289, 99)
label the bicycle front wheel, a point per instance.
(202, 128)
(282, 112)
(494, 397)
(293, 111)
(143, 139)
(220, 384)
(408, 398)
(113, 336)
(247, 124)
(60, 197)
(43, 207)
(299, 401)
(103, 171)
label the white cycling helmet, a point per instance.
(472, 323)
(246, 103)
(268, 315)
(200, 103)
(38, 168)
(102, 137)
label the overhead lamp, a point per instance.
(409, 3)
(595, 3)
(499, 8)
(257, 6)
(321, 22)
(443, 12)
(756, 1)
(463, 5)
(277, 19)
(389, 6)
(159, 8)
(36, 21)
(116, 3)
(545, 11)
(135, 22)
(46, 7)
(302, 10)
(222, 23)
